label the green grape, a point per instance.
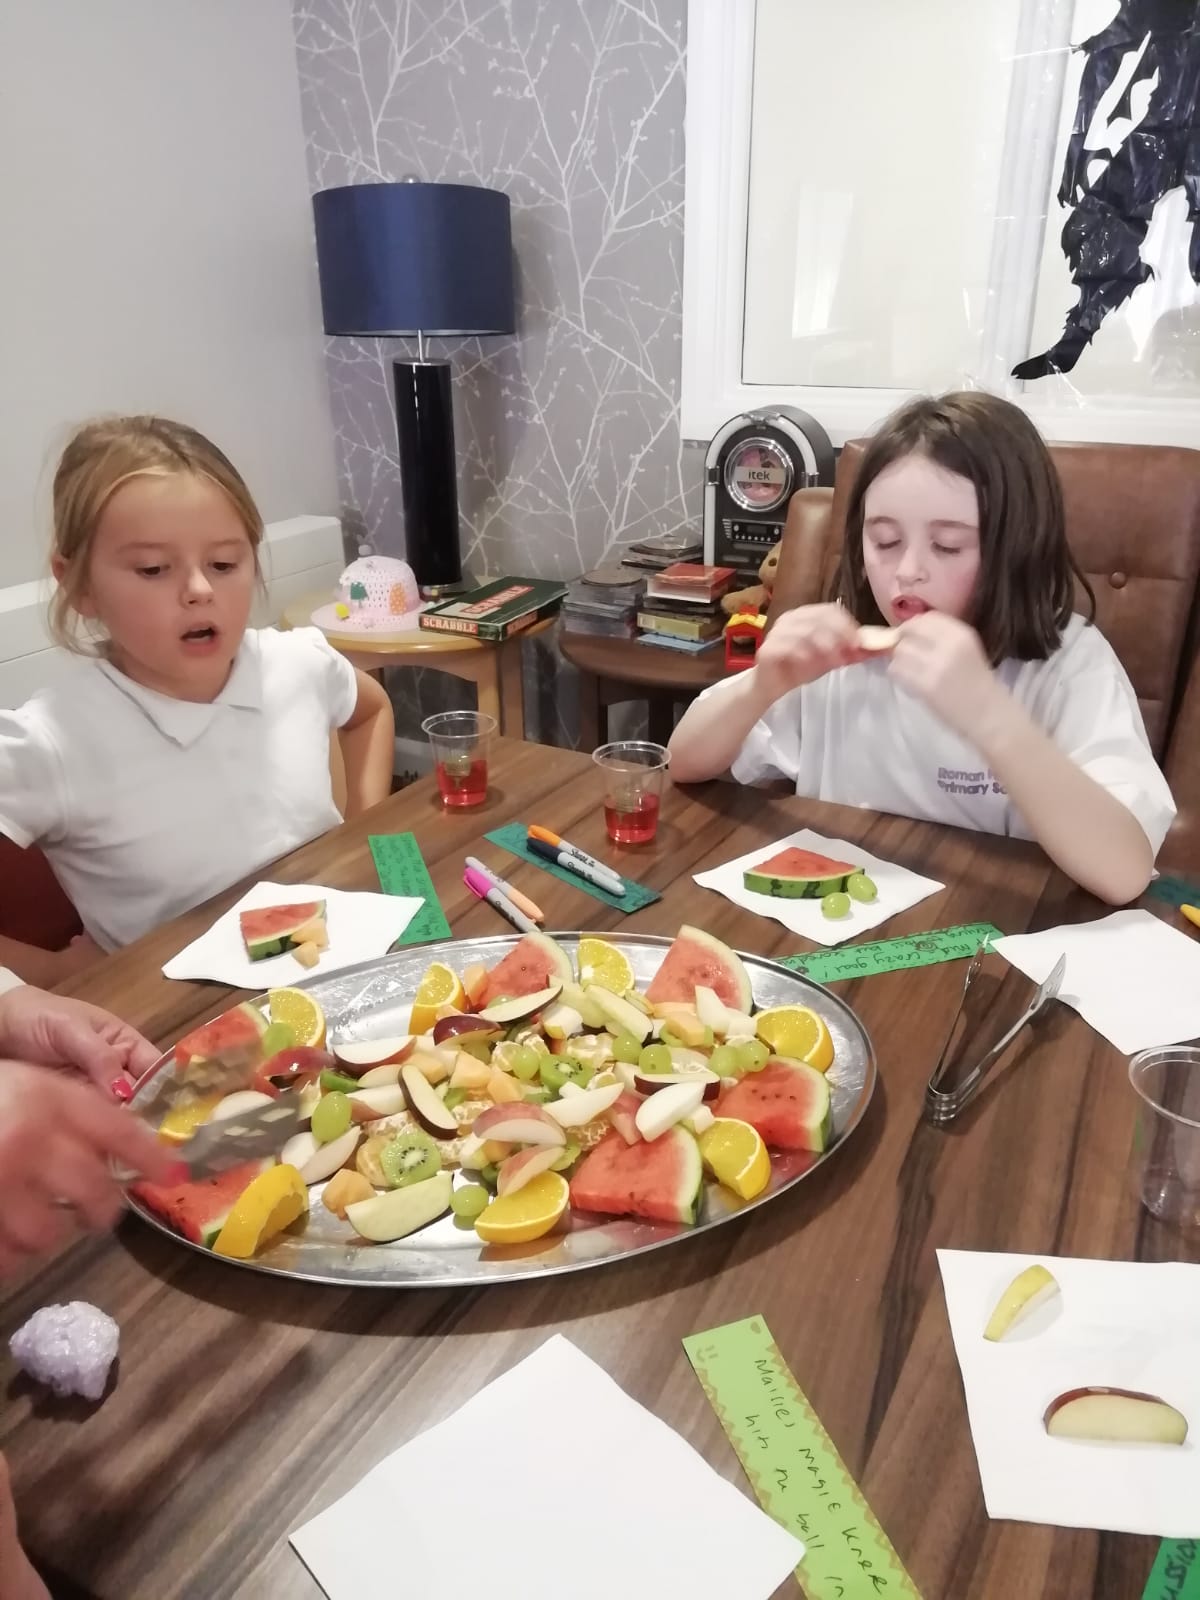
(655, 1058)
(557, 1070)
(860, 887)
(490, 1175)
(331, 1117)
(835, 905)
(725, 1061)
(278, 1036)
(525, 1063)
(753, 1055)
(454, 1097)
(469, 1201)
(626, 1049)
(567, 1157)
(668, 1035)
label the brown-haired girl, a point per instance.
(183, 750)
(951, 678)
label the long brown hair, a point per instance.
(98, 459)
(1027, 574)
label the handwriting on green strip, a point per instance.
(794, 1467)
(1175, 1574)
(890, 955)
(402, 870)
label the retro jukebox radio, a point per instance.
(754, 466)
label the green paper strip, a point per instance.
(1175, 1574)
(1175, 891)
(794, 1467)
(512, 838)
(402, 870)
(890, 955)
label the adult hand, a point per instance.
(941, 660)
(804, 645)
(58, 1138)
(53, 1031)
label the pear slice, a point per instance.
(1030, 1289)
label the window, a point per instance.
(872, 210)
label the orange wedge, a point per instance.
(297, 1010)
(798, 1033)
(264, 1208)
(734, 1153)
(439, 986)
(181, 1122)
(528, 1214)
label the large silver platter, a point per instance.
(373, 1000)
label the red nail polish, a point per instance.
(121, 1089)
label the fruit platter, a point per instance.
(502, 1108)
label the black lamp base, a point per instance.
(428, 474)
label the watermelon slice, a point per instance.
(799, 875)
(198, 1209)
(270, 930)
(695, 958)
(232, 1039)
(787, 1102)
(534, 963)
(660, 1180)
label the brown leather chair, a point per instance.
(33, 908)
(1133, 520)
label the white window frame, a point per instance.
(720, 69)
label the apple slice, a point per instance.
(518, 1124)
(657, 1082)
(618, 1011)
(507, 1011)
(627, 1073)
(316, 1162)
(385, 1100)
(561, 1021)
(739, 1025)
(1114, 1416)
(401, 1211)
(575, 996)
(711, 1010)
(700, 1121)
(576, 1109)
(426, 1105)
(1028, 1290)
(623, 1117)
(382, 1076)
(516, 1171)
(482, 1030)
(663, 1110)
(238, 1103)
(359, 1055)
(872, 637)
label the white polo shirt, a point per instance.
(857, 738)
(146, 805)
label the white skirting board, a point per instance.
(299, 554)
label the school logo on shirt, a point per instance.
(953, 781)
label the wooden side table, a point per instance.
(494, 669)
(614, 670)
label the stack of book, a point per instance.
(682, 607)
(604, 603)
(665, 549)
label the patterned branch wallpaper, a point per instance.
(568, 435)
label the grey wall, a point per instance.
(568, 435)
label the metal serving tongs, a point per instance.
(943, 1105)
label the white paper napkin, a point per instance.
(360, 926)
(898, 889)
(1118, 1324)
(1131, 976)
(582, 1494)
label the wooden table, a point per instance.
(494, 669)
(615, 670)
(245, 1403)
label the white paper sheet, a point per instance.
(1130, 976)
(583, 1494)
(898, 889)
(360, 926)
(1117, 1324)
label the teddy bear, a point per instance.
(758, 596)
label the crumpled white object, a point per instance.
(70, 1348)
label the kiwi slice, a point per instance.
(567, 1157)
(409, 1158)
(557, 1070)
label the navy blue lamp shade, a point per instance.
(407, 258)
(431, 259)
